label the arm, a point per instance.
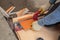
(52, 18)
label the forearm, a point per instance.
(52, 18)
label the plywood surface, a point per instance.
(44, 33)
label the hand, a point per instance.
(36, 26)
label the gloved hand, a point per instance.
(42, 10)
(36, 26)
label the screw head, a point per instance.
(40, 39)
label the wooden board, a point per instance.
(24, 17)
(22, 12)
(45, 33)
(10, 9)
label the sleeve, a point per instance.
(50, 19)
